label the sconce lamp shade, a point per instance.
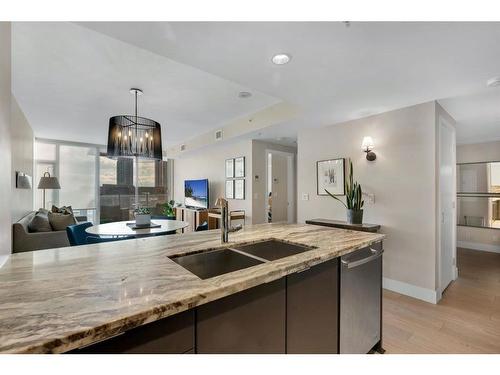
(48, 182)
(367, 144)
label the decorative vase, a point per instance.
(355, 216)
(142, 219)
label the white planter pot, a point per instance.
(141, 219)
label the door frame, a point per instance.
(443, 123)
(291, 184)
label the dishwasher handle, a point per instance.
(375, 254)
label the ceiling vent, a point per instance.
(218, 135)
(183, 147)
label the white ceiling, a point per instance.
(69, 80)
(338, 73)
(477, 115)
(68, 77)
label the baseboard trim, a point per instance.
(427, 295)
(479, 246)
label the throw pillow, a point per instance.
(40, 222)
(62, 210)
(60, 221)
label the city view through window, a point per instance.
(98, 188)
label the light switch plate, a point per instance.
(305, 196)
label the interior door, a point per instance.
(447, 192)
(280, 188)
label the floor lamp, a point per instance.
(48, 182)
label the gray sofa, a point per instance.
(24, 240)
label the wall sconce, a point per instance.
(367, 146)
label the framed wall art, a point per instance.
(239, 189)
(330, 176)
(239, 167)
(230, 189)
(230, 168)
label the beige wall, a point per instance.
(5, 163)
(258, 176)
(210, 163)
(22, 160)
(478, 238)
(403, 180)
(477, 152)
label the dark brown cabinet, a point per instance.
(171, 335)
(252, 321)
(331, 307)
(312, 310)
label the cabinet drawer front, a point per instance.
(171, 335)
(252, 321)
(312, 310)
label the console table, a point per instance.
(192, 216)
(344, 225)
(214, 217)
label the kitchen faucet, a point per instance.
(224, 220)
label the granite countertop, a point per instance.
(57, 300)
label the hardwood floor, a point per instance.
(466, 320)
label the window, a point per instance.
(75, 167)
(117, 187)
(98, 188)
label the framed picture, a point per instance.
(239, 189)
(229, 168)
(230, 189)
(239, 167)
(330, 176)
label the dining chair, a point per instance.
(77, 235)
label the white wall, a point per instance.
(403, 179)
(210, 163)
(478, 238)
(5, 158)
(259, 183)
(22, 160)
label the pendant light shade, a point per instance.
(134, 136)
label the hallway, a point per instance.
(466, 320)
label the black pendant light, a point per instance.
(134, 136)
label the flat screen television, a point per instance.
(196, 193)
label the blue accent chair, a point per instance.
(203, 226)
(77, 235)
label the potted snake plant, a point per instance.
(353, 199)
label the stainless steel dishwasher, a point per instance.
(361, 300)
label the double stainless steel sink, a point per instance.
(218, 262)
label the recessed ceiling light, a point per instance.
(493, 82)
(281, 59)
(244, 94)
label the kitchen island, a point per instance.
(59, 300)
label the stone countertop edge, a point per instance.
(30, 324)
